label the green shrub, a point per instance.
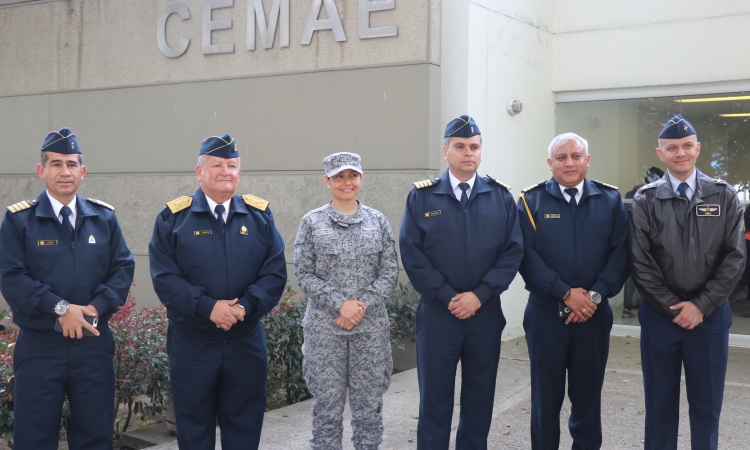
(140, 362)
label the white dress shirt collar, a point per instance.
(457, 190)
(57, 206)
(579, 186)
(212, 206)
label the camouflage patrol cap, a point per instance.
(333, 164)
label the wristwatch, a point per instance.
(61, 307)
(240, 306)
(595, 297)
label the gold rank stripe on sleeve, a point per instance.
(179, 204)
(20, 206)
(99, 202)
(255, 202)
(607, 185)
(426, 183)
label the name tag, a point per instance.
(324, 231)
(432, 213)
(552, 216)
(47, 243)
(708, 210)
(202, 232)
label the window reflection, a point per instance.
(622, 137)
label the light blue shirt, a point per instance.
(691, 181)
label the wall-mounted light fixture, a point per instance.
(514, 107)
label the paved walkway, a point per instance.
(622, 407)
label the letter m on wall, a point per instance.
(279, 14)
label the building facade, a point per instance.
(142, 83)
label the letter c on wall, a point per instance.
(161, 30)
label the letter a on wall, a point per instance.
(333, 22)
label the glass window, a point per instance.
(622, 137)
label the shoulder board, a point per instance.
(724, 183)
(489, 178)
(426, 183)
(20, 206)
(606, 185)
(179, 204)
(648, 186)
(534, 186)
(255, 202)
(99, 202)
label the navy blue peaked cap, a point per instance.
(63, 141)
(222, 146)
(463, 126)
(677, 128)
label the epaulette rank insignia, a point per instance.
(99, 202)
(179, 204)
(426, 183)
(607, 185)
(255, 202)
(534, 186)
(489, 178)
(20, 206)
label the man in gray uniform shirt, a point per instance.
(345, 261)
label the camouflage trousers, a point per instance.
(360, 363)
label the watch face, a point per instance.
(61, 308)
(595, 297)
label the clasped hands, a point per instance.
(464, 305)
(227, 313)
(580, 304)
(351, 313)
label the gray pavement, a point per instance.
(622, 406)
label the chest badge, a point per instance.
(708, 210)
(202, 232)
(552, 216)
(48, 242)
(432, 213)
(92, 240)
(243, 230)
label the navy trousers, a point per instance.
(213, 382)
(48, 367)
(443, 340)
(704, 350)
(581, 350)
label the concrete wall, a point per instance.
(605, 45)
(140, 117)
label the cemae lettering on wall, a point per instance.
(278, 18)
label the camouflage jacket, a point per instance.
(339, 258)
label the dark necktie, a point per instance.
(65, 213)
(682, 189)
(572, 192)
(464, 198)
(220, 213)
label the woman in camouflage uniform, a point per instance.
(345, 261)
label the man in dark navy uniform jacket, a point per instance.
(461, 247)
(575, 234)
(62, 259)
(217, 262)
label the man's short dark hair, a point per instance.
(43, 159)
